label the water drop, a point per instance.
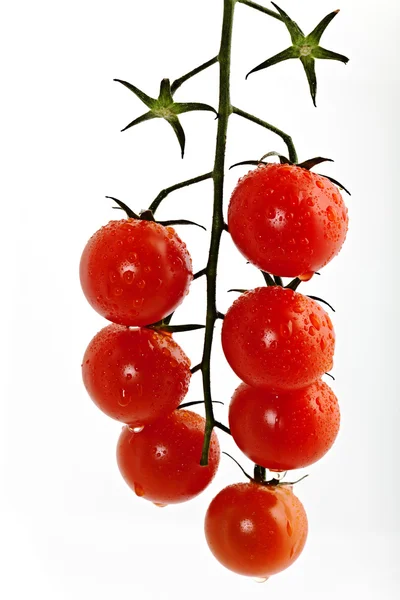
(139, 491)
(137, 429)
(160, 505)
(141, 284)
(315, 321)
(118, 291)
(124, 399)
(320, 185)
(260, 579)
(128, 277)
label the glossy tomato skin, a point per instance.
(256, 530)
(287, 220)
(286, 430)
(135, 375)
(278, 339)
(162, 462)
(135, 272)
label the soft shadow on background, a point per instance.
(70, 527)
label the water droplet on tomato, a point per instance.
(137, 429)
(113, 277)
(330, 211)
(118, 291)
(315, 321)
(260, 579)
(160, 505)
(286, 329)
(306, 276)
(128, 277)
(125, 399)
(320, 184)
(139, 491)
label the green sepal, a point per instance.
(165, 108)
(149, 102)
(146, 117)
(319, 52)
(306, 48)
(312, 162)
(180, 222)
(122, 206)
(176, 328)
(178, 129)
(287, 54)
(296, 33)
(308, 63)
(315, 36)
(178, 108)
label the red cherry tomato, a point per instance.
(162, 462)
(284, 431)
(135, 272)
(287, 220)
(278, 339)
(256, 530)
(135, 375)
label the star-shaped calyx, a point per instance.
(306, 48)
(164, 107)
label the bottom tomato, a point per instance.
(161, 463)
(256, 530)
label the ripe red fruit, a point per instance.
(286, 430)
(135, 272)
(162, 462)
(287, 220)
(256, 530)
(278, 339)
(135, 375)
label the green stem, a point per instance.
(286, 137)
(178, 82)
(224, 112)
(164, 193)
(262, 9)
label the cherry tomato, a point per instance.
(284, 431)
(278, 339)
(287, 220)
(256, 530)
(135, 272)
(135, 375)
(162, 462)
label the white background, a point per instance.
(70, 527)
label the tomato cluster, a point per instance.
(135, 273)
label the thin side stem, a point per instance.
(178, 82)
(285, 137)
(262, 9)
(164, 193)
(224, 112)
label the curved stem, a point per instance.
(224, 112)
(164, 193)
(262, 9)
(178, 82)
(286, 137)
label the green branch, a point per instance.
(164, 193)
(178, 82)
(285, 137)
(262, 9)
